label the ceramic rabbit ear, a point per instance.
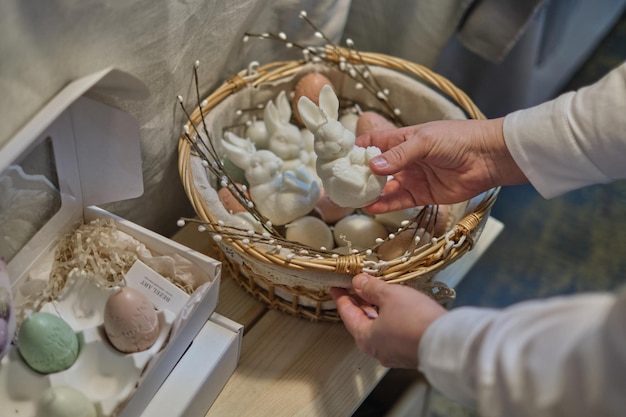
(238, 150)
(311, 115)
(272, 118)
(284, 107)
(329, 102)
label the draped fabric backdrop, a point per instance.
(46, 45)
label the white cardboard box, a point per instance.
(196, 381)
(95, 152)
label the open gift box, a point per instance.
(74, 154)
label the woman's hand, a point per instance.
(441, 162)
(390, 331)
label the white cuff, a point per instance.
(444, 351)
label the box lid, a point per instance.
(88, 153)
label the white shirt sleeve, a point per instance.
(564, 356)
(573, 141)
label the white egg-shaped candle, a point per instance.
(257, 133)
(65, 401)
(435, 223)
(343, 250)
(394, 219)
(251, 223)
(310, 231)
(358, 231)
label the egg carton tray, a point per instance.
(106, 376)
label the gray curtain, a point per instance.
(493, 52)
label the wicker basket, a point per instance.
(298, 284)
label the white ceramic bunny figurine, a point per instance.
(342, 166)
(285, 139)
(279, 196)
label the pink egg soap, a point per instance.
(130, 320)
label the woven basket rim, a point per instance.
(398, 271)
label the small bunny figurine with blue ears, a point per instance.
(279, 196)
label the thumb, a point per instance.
(393, 160)
(369, 288)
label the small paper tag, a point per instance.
(163, 294)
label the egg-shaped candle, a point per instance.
(370, 121)
(329, 211)
(47, 343)
(229, 201)
(403, 244)
(257, 133)
(64, 401)
(309, 86)
(435, 222)
(394, 219)
(130, 320)
(359, 231)
(310, 231)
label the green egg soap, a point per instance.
(47, 343)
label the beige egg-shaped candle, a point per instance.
(329, 211)
(130, 320)
(370, 121)
(403, 244)
(395, 219)
(359, 231)
(310, 231)
(434, 225)
(309, 86)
